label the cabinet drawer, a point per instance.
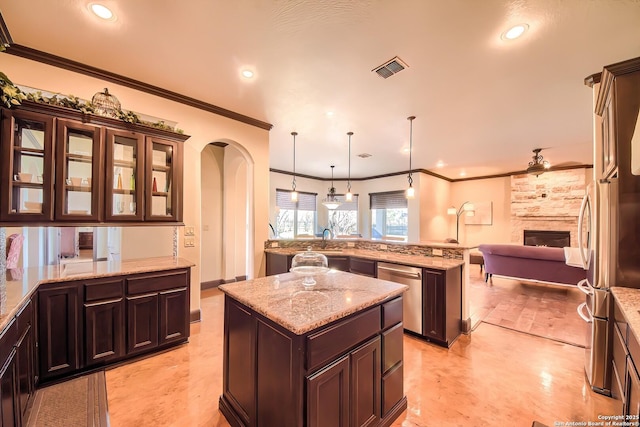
(618, 389)
(391, 313)
(392, 389)
(8, 338)
(157, 282)
(391, 347)
(327, 344)
(25, 317)
(633, 348)
(365, 267)
(619, 320)
(104, 289)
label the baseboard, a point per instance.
(241, 278)
(195, 316)
(465, 325)
(211, 284)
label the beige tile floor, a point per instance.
(493, 377)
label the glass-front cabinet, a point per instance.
(161, 200)
(27, 165)
(79, 175)
(125, 172)
(61, 165)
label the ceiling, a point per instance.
(482, 103)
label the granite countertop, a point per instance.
(429, 243)
(17, 285)
(438, 263)
(629, 300)
(283, 299)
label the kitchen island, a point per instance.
(325, 356)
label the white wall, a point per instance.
(204, 127)
(212, 158)
(427, 212)
(495, 190)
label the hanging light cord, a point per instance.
(410, 147)
(293, 183)
(349, 178)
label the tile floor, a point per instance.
(493, 377)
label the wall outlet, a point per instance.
(351, 244)
(382, 247)
(189, 242)
(274, 244)
(189, 231)
(436, 252)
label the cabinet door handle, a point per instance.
(142, 296)
(172, 291)
(110, 301)
(581, 308)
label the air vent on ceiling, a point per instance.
(364, 155)
(391, 67)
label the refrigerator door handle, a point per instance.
(581, 309)
(584, 287)
(583, 208)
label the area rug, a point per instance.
(78, 402)
(542, 310)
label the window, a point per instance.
(343, 221)
(389, 215)
(295, 219)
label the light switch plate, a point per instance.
(274, 244)
(351, 244)
(189, 242)
(382, 247)
(436, 252)
(189, 231)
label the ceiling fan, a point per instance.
(539, 165)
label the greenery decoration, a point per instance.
(12, 96)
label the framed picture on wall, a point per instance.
(483, 214)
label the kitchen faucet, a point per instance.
(326, 235)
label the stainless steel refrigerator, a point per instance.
(609, 220)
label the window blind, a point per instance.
(388, 200)
(306, 201)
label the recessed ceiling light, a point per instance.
(515, 32)
(330, 113)
(247, 74)
(101, 11)
(463, 173)
(440, 164)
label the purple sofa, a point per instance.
(538, 263)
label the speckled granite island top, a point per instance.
(629, 300)
(283, 299)
(17, 285)
(438, 263)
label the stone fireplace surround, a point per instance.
(549, 202)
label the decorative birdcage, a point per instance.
(105, 104)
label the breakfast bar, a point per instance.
(296, 355)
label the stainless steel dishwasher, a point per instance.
(412, 299)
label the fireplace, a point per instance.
(557, 239)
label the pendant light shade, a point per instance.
(331, 202)
(294, 193)
(411, 192)
(349, 195)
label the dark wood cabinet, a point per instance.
(25, 357)
(442, 305)
(8, 392)
(328, 397)
(632, 406)
(60, 325)
(174, 315)
(157, 310)
(27, 179)
(277, 263)
(142, 323)
(54, 168)
(330, 376)
(338, 262)
(104, 321)
(364, 267)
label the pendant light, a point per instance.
(538, 165)
(294, 193)
(411, 192)
(331, 202)
(349, 196)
